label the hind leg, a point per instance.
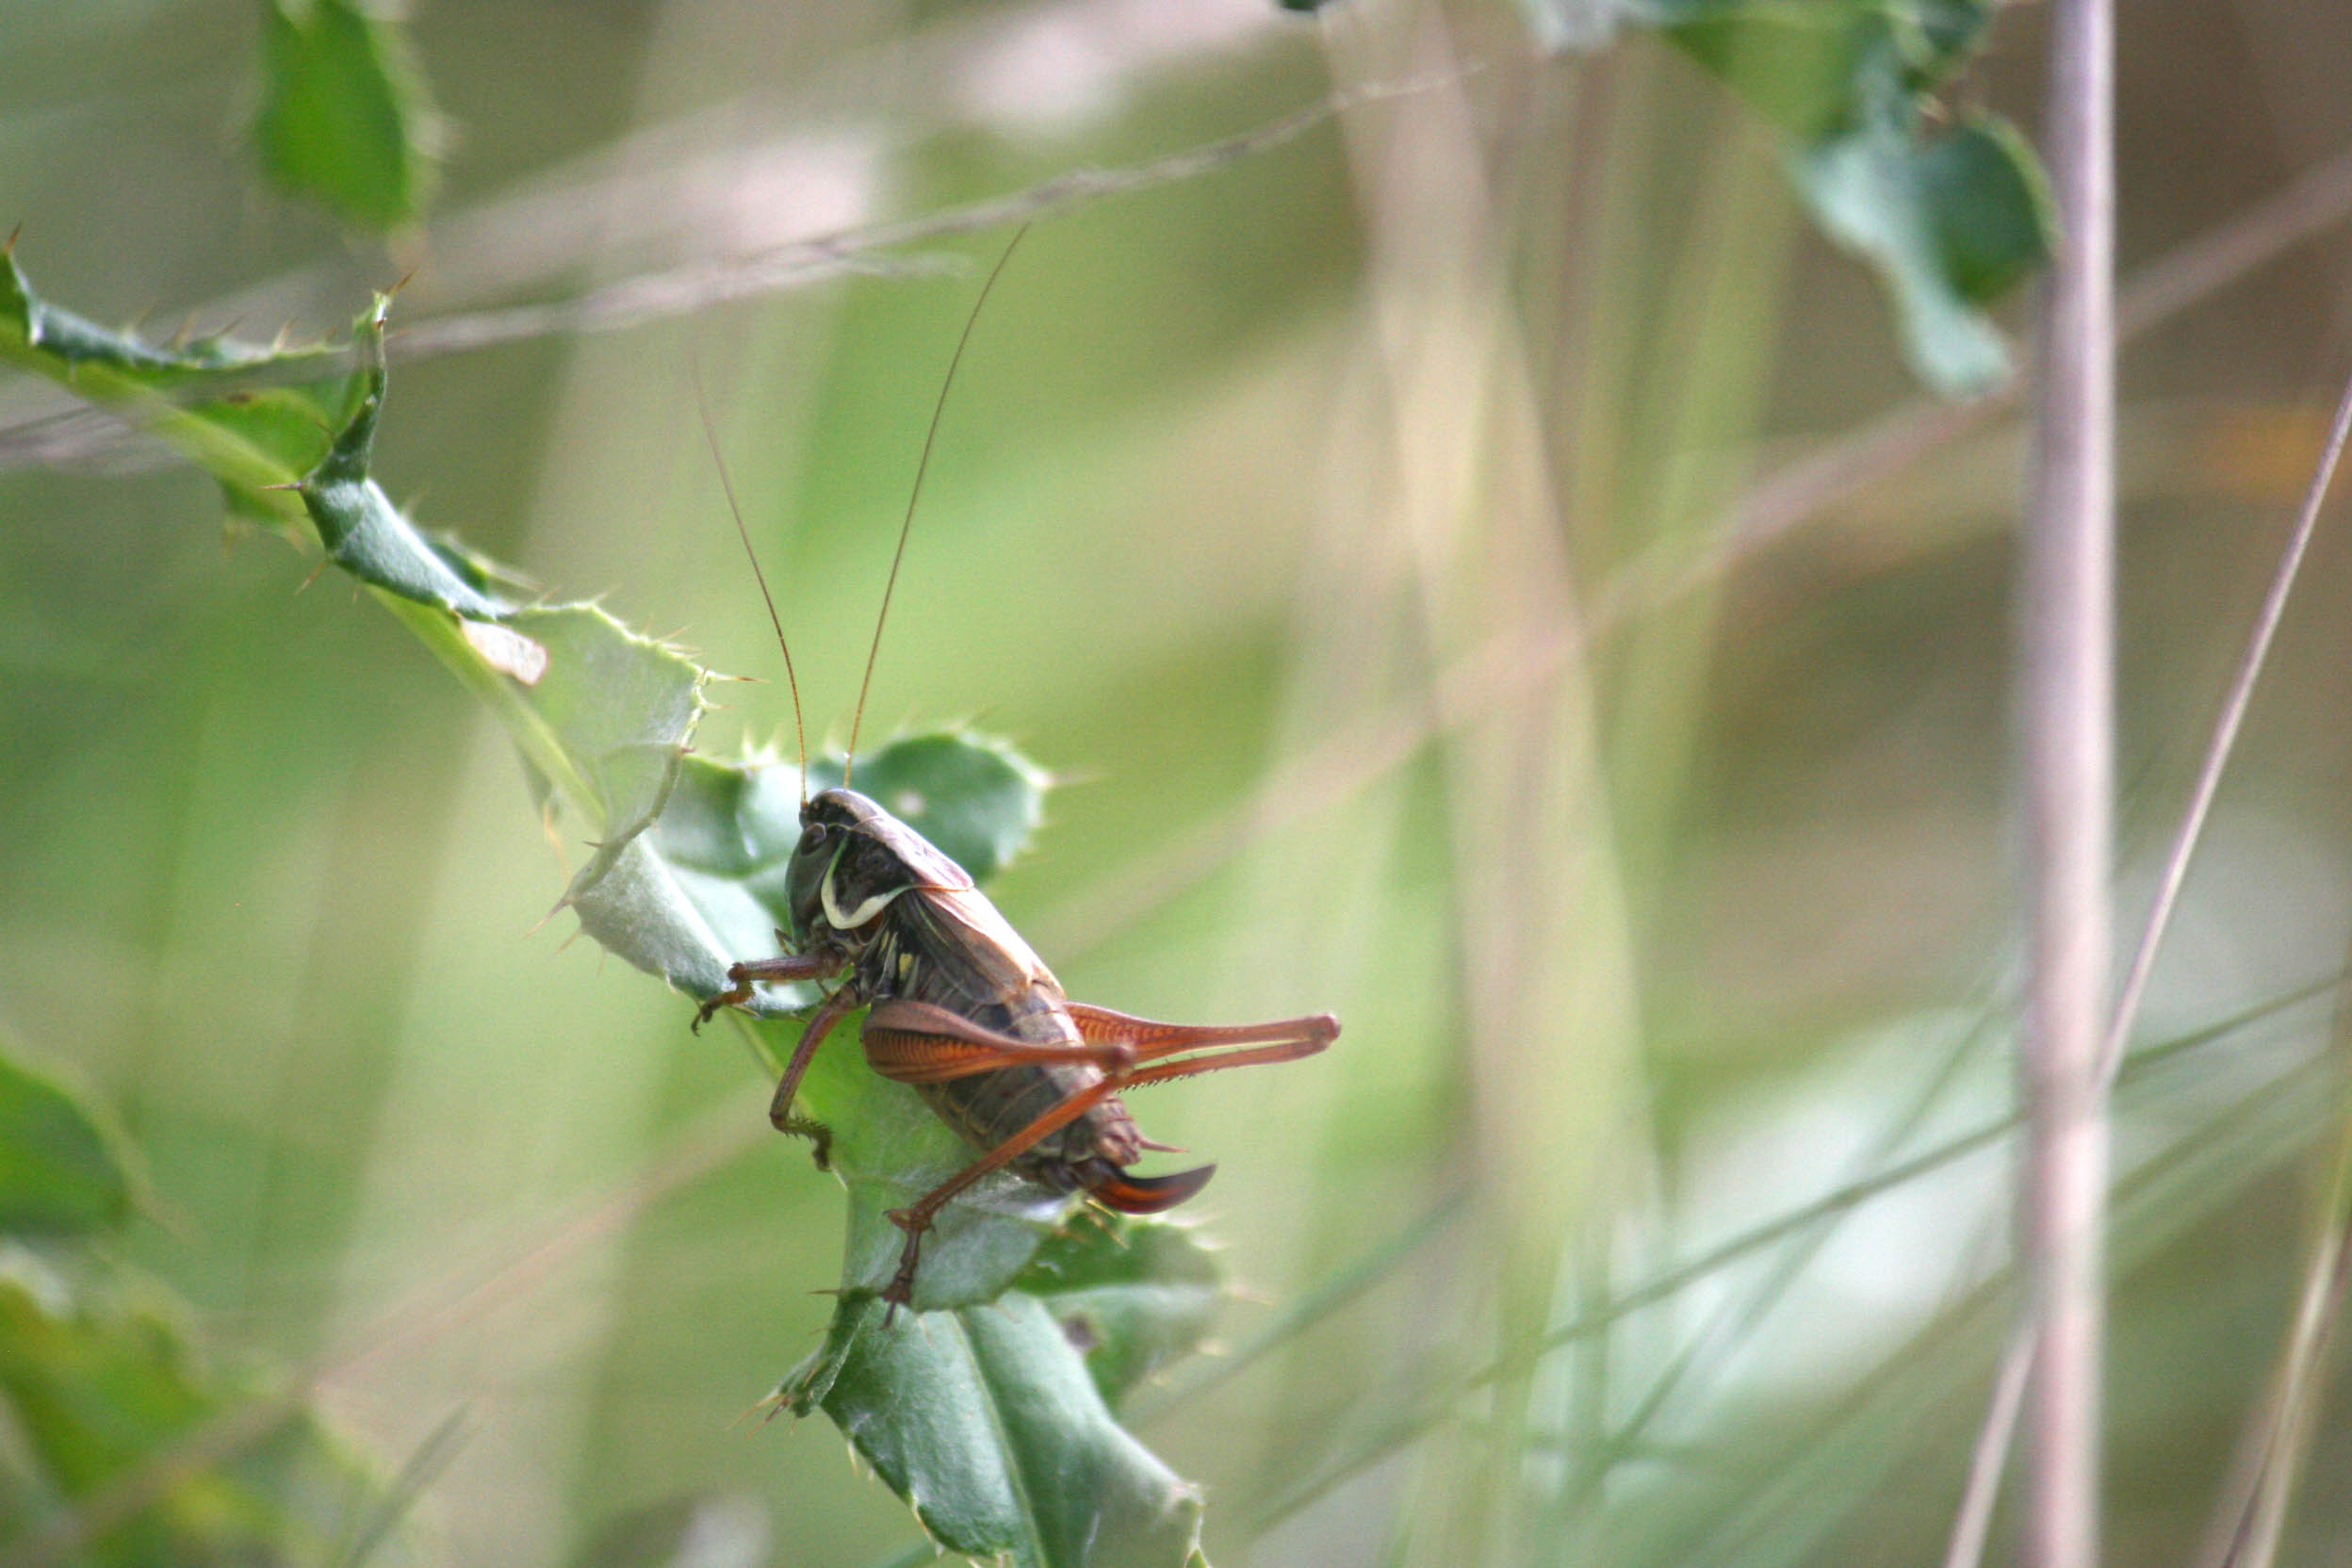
(916, 1219)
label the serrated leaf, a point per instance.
(364, 533)
(201, 397)
(76, 342)
(62, 1170)
(290, 426)
(979, 801)
(344, 117)
(622, 707)
(1133, 1297)
(985, 1421)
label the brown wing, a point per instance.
(962, 956)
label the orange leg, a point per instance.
(915, 1042)
(783, 970)
(1152, 1040)
(916, 1219)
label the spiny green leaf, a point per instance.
(344, 117)
(76, 341)
(1133, 1297)
(206, 398)
(364, 533)
(62, 1171)
(622, 705)
(979, 801)
(287, 426)
(985, 1421)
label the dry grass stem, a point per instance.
(2066, 702)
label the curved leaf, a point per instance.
(1949, 224)
(76, 342)
(200, 396)
(344, 116)
(985, 1421)
(364, 533)
(61, 1170)
(1950, 219)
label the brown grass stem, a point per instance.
(2066, 653)
(1966, 1549)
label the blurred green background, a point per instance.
(1309, 516)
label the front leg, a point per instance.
(820, 1022)
(783, 970)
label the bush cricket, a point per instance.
(960, 1006)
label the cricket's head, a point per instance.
(853, 860)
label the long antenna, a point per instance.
(923, 465)
(710, 433)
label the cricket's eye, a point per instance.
(815, 835)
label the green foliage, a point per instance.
(1135, 1309)
(978, 803)
(1951, 215)
(363, 532)
(980, 1407)
(994, 1421)
(344, 120)
(62, 1171)
(207, 395)
(98, 1377)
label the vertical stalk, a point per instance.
(2067, 695)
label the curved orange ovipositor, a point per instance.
(1150, 1194)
